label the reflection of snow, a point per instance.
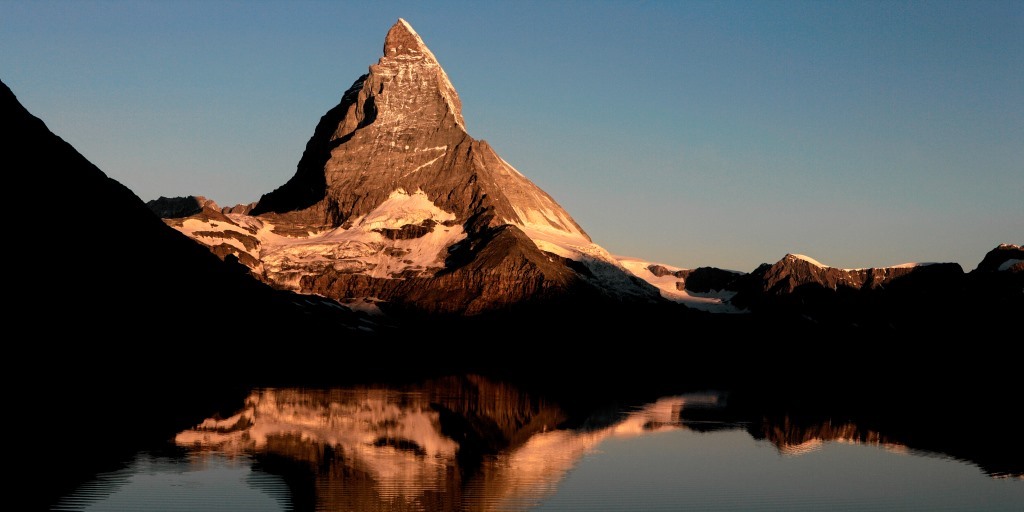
(795, 440)
(396, 438)
(811, 445)
(394, 451)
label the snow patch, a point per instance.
(428, 162)
(208, 232)
(361, 249)
(401, 209)
(817, 263)
(508, 165)
(913, 265)
(546, 219)
(810, 260)
(192, 225)
(715, 301)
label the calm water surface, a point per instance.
(473, 444)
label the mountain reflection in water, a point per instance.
(461, 443)
(471, 443)
(453, 444)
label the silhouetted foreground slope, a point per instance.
(117, 319)
(100, 266)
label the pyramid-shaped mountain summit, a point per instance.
(393, 203)
(400, 127)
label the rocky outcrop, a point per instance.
(700, 279)
(706, 279)
(794, 271)
(996, 289)
(173, 207)
(393, 200)
(239, 208)
(185, 206)
(1004, 258)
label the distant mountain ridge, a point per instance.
(393, 204)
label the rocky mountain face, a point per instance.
(394, 202)
(700, 279)
(803, 293)
(794, 271)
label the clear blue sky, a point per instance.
(688, 133)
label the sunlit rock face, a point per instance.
(393, 201)
(460, 443)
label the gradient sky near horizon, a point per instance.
(691, 133)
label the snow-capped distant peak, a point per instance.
(819, 264)
(912, 265)
(810, 260)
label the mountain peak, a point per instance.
(402, 39)
(808, 259)
(394, 201)
(409, 70)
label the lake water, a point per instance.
(474, 444)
